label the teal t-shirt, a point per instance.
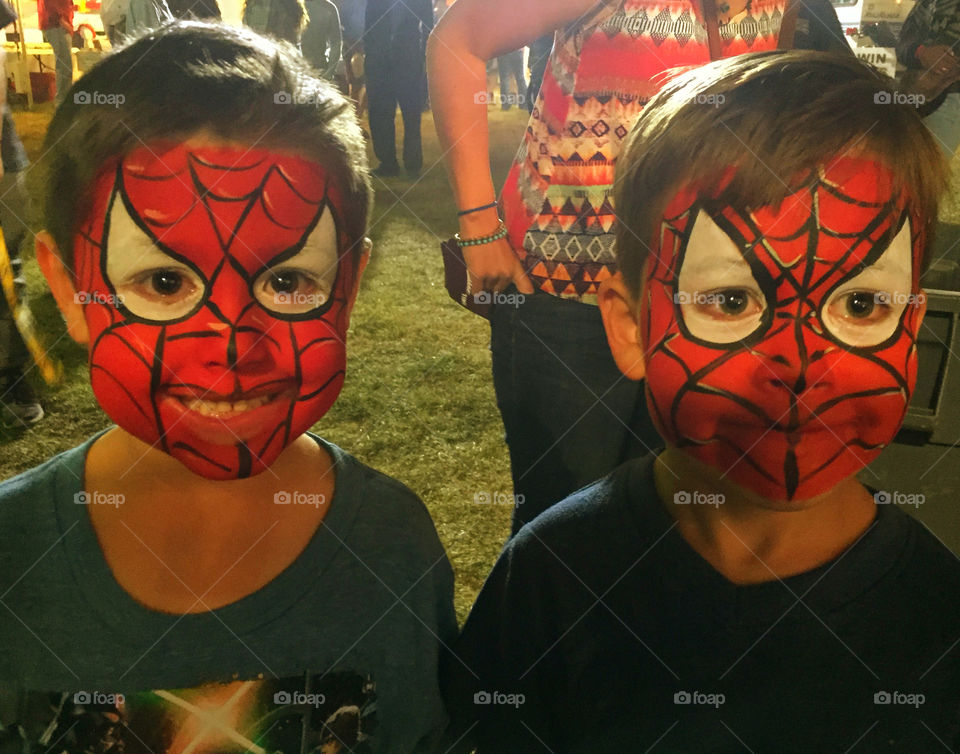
(339, 652)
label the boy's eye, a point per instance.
(290, 291)
(865, 310)
(150, 282)
(864, 318)
(166, 282)
(734, 301)
(160, 294)
(284, 282)
(302, 282)
(860, 304)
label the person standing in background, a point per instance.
(322, 41)
(56, 23)
(284, 19)
(569, 415)
(206, 10)
(131, 18)
(19, 406)
(929, 46)
(113, 16)
(395, 40)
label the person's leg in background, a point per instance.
(569, 415)
(19, 406)
(517, 72)
(503, 71)
(506, 68)
(382, 106)
(409, 88)
(116, 32)
(944, 124)
(59, 40)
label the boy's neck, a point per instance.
(180, 543)
(749, 539)
(134, 464)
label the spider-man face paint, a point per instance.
(217, 282)
(781, 341)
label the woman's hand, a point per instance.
(493, 266)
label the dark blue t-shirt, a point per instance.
(601, 630)
(339, 652)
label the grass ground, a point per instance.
(418, 401)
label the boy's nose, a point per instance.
(244, 342)
(796, 360)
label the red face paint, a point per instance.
(781, 341)
(217, 282)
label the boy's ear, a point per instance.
(620, 313)
(61, 285)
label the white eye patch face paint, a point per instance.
(149, 282)
(866, 309)
(720, 301)
(304, 281)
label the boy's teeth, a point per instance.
(217, 408)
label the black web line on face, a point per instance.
(812, 228)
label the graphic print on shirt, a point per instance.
(332, 713)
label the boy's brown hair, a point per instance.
(191, 77)
(772, 117)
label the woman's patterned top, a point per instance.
(557, 200)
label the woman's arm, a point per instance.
(469, 34)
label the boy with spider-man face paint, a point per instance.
(207, 575)
(741, 589)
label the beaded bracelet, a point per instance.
(470, 211)
(500, 232)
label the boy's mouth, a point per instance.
(226, 406)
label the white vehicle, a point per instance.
(872, 28)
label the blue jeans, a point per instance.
(60, 40)
(570, 415)
(944, 124)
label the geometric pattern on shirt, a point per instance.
(558, 205)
